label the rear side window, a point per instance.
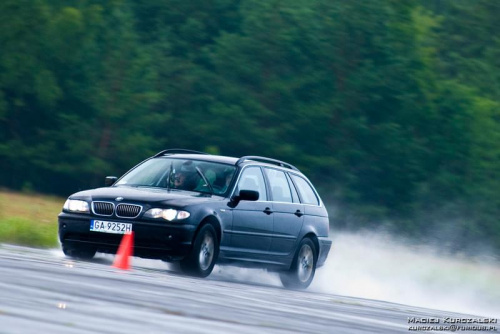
(279, 185)
(252, 179)
(306, 192)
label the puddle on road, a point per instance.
(379, 267)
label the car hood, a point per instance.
(145, 195)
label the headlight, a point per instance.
(167, 214)
(75, 205)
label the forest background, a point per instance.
(390, 107)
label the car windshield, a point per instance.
(182, 174)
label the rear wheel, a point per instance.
(201, 260)
(303, 267)
(79, 252)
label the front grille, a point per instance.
(103, 208)
(128, 210)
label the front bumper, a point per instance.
(324, 248)
(156, 240)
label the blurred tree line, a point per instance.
(391, 107)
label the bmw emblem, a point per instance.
(119, 199)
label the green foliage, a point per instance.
(390, 107)
(21, 231)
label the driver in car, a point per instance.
(185, 178)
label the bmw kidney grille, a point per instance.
(128, 210)
(122, 210)
(103, 208)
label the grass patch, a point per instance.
(24, 232)
(29, 219)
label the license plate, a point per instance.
(110, 227)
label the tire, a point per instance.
(79, 252)
(201, 260)
(301, 273)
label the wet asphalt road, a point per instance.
(41, 291)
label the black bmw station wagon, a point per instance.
(201, 209)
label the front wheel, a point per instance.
(303, 267)
(201, 260)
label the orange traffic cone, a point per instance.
(125, 251)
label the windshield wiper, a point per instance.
(131, 185)
(205, 180)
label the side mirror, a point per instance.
(248, 195)
(245, 195)
(110, 180)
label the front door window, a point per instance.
(252, 179)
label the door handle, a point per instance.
(298, 213)
(268, 211)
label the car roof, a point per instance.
(203, 157)
(226, 160)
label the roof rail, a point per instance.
(177, 150)
(268, 160)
